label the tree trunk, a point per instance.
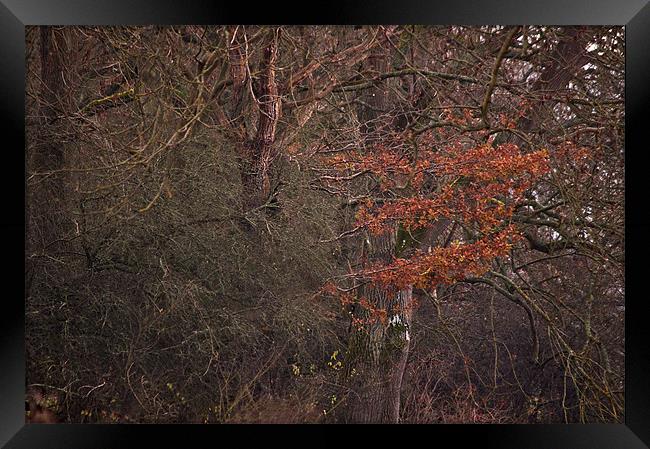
(378, 352)
(566, 60)
(47, 193)
(260, 151)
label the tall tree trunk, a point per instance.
(260, 151)
(46, 195)
(567, 58)
(47, 224)
(377, 353)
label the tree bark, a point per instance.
(568, 57)
(47, 193)
(260, 151)
(377, 353)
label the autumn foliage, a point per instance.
(478, 187)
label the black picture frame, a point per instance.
(16, 14)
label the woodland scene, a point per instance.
(325, 224)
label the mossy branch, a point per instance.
(110, 101)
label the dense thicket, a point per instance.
(325, 224)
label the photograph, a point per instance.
(325, 224)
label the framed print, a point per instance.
(412, 217)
